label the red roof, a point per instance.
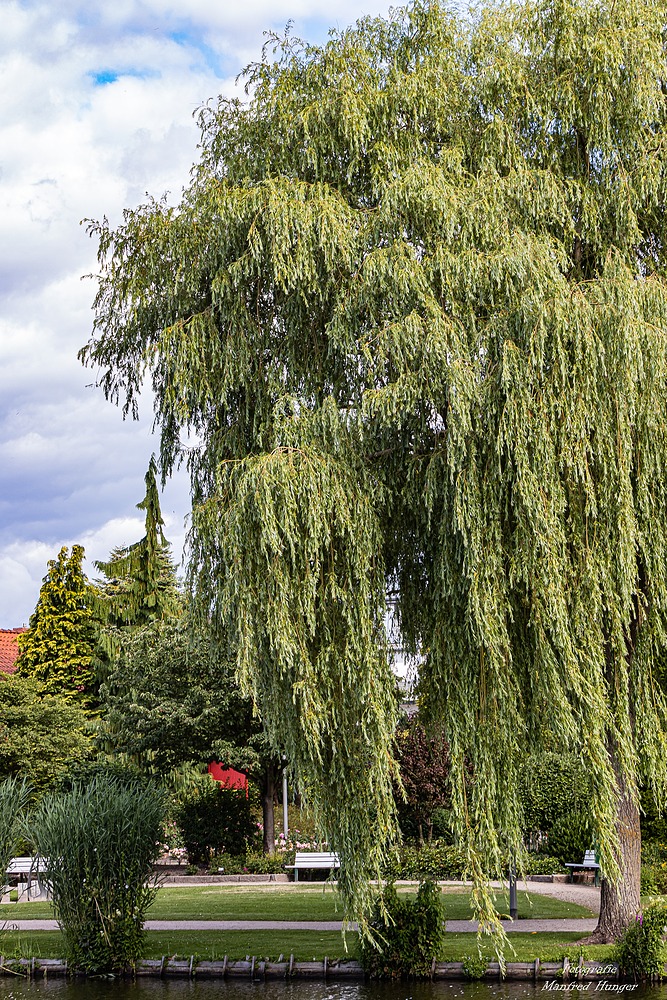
(9, 649)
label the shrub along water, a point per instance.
(641, 951)
(99, 842)
(407, 934)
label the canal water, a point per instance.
(12, 988)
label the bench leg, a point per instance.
(296, 874)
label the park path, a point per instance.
(454, 926)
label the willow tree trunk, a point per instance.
(619, 904)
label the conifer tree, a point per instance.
(58, 647)
(412, 309)
(140, 580)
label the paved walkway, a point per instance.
(455, 926)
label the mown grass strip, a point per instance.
(304, 945)
(233, 902)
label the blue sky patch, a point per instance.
(214, 60)
(104, 76)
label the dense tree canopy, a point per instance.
(173, 698)
(41, 735)
(412, 312)
(423, 760)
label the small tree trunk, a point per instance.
(268, 797)
(619, 904)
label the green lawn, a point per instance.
(233, 902)
(304, 945)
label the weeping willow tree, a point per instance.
(412, 311)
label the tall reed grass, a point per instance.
(99, 842)
(14, 797)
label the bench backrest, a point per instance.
(589, 858)
(312, 857)
(24, 866)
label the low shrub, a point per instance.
(407, 934)
(641, 951)
(99, 842)
(542, 864)
(250, 863)
(445, 862)
(432, 861)
(212, 819)
(654, 869)
(268, 864)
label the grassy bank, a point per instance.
(304, 945)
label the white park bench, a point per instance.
(311, 859)
(590, 863)
(31, 884)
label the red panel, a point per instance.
(228, 776)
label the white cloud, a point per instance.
(73, 147)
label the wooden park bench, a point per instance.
(31, 885)
(588, 864)
(311, 859)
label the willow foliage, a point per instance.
(412, 311)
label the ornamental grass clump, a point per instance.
(14, 795)
(99, 842)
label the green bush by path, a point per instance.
(641, 952)
(212, 819)
(447, 862)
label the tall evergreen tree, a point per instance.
(139, 583)
(413, 310)
(58, 647)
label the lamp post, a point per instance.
(514, 910)
(285, 815)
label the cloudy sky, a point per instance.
(96, 111)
